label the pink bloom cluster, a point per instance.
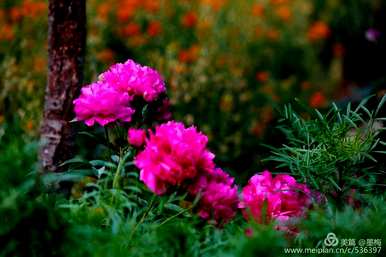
(109, 99)
(172, 155)
(219, 197)
(102, 104)
(135, 79)
(136, 137)
(281, 198)
(177, 156)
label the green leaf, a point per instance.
(132, 174)
(72, 175)
(380, 105)
(334, 183)
(369, 157)
(173, 207)
(73, 160)
(133, 189)
(103, 163)
(87, 134)
(321, 118)
(363, 103)
(367, 112)
(115, 158)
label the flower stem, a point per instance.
(149, 208)
(118, 172)
(174, 216)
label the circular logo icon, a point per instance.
(331, 240)
(362, 242)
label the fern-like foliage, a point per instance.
(336, 152)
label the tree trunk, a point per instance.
(66, 49)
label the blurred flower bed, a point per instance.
(228, 64)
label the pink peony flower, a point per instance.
(135, 79)
(136, 137)
(172, 155)
(281, 198)
(215, 175)
(219, 202)
(102, 104)
(219, 198)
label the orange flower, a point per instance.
(6, 32)
(204, 25)
(318, 100)
(126, 9)
(268, 90)
(137, 40)
(154, 28)
(284, 13)
(40, 64)
(184, 56)
(15, 14)
(124, 15)
(33, 9)
(262, 76)
(131, 29)
(214, 4)
(338, 50)
(106, 56)
(257, 10)
(151, 5)
(277, 2)
(258, 32)
(29, 125)
(189, 55)
(273, 34)
(318, 30)
(103, 11)
(259, 126)
(189, 19)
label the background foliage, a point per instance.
(236, 69)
